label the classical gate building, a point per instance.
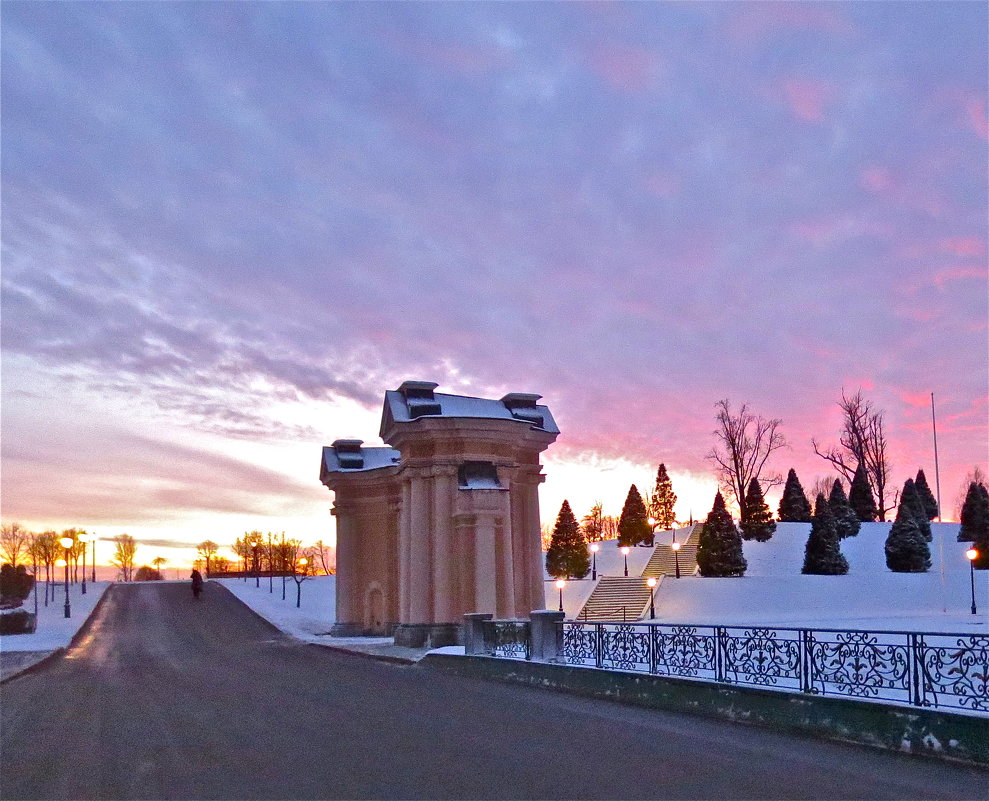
(443, 522)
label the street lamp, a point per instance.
(560, 584)
(94, 538)
(594, 560)
(84, 539)
(972, 554)
(625, 549)
(298, 577)
(67, 543)
(676, 556)
(651, 582)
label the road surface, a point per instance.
(165, 697)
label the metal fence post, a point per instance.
(719, 654)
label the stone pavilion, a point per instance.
(444, 520)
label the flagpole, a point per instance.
(937, 484)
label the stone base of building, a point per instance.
(428, 635)
(347, 630)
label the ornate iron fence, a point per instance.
(509, 638)
(948, 671)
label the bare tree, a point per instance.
(862, 441)
(822, 486)
(745, 443)
(207, 550)
(326, 556)
(123, 555)
(593, 523)
(15, 541)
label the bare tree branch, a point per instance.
(745, 441)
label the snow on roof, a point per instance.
(368, 458)
(514, 406)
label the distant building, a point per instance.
(444, 523)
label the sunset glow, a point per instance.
(228, 228)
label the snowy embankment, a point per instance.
(54, 629)
(774, 593)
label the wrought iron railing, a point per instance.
(948, 671)
(509, 638)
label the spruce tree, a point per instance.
(860, 496)
(846, 522)
(926, 496)
(906, 549)
(633, 525)
(981, 540)
(794, 506)
(663, 499)
(823, 556)
(567, 556)
(719, 550)
(975, 512)
(758, 523)
(912, 498)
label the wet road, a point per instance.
(167, 698)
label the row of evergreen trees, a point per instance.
(975, 523)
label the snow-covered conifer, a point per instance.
(757, 522)
(906, 549)
(823, 556)
(913, 499)
(860, 496)
(663, 499)
(794, 506)
(846, 522)
(633, 525)
(926, 496)
(719, 550)
(567, 556)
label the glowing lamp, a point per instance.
(675, 546)
(625, 549)
(971, 554)
(60, 562)
(560, 584)
(67, 542)
(651, 582)
(595, 547)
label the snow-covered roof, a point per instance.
(415, 399)
(349, 456)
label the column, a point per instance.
(445, 608)
(485, 563)
(420, 556)
(404, 549)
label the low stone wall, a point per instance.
(907, 730)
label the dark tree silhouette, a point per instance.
(910, 495)
(823, 556)
(926, 496)
(719, 550)
(906, 549)
(567, 556)
(663, 500)
(633, 525)
(860, 496)
(758, 523)
(846, 522)
(794, 506)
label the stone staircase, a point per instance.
(621, 598)
(663, 561)
(616, 598)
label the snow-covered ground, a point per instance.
(774, 593)
(54, 630)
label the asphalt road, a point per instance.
(168, 698)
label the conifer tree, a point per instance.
(975, 513)
(906, 549)
(567, 556)
(823, 556)
(846, 522)
(926, 496)
(719, 550)
(794, 506)
(981, 540)
(757, 523)
(663, 499)
(917, 505)
(633, 525)
(860, 496)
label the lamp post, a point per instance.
(93, 537)
(594, 560)
(257, 566)
(84, 539)
(676, 556)
(651, 582)
(560, 584)
(972, 554)
(67, 543)
(298, 576)
(625, 549)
